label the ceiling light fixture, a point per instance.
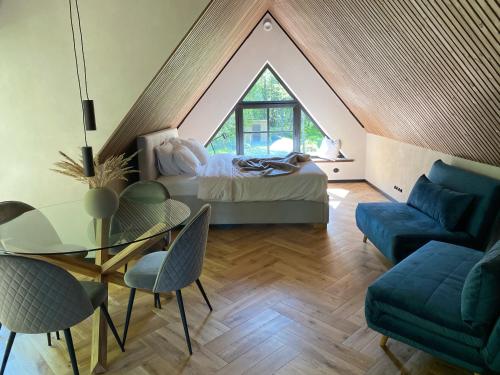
(267, 24)
(88, 113)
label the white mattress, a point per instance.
(180, 185)
(221, 182)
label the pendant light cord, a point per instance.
(83, 53)
(77, 68)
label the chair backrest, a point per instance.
(38, 297)
(145, 192)
(132, 200)
(184, 261)
(487, 197)
(10, 210)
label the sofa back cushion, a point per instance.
(442, 204)
(481, 292)
(486, 191)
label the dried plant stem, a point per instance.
(113, 168)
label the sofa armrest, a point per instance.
(491, 352)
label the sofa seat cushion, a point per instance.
(425, 291)
(398, 229)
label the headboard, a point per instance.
(147, 159)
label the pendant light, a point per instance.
(88, 113)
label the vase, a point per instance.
(100, 202)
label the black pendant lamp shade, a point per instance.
(89, 114)
(88, 161)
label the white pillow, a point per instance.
(329, 148)
(185, 160)
(194, 146)
(165, 160)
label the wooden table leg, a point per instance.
(99, 353)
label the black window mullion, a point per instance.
(267, 127)
(296, 128)
(239, 130)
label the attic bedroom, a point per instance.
(250, 187)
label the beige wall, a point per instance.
(390, 162)
(126, 43)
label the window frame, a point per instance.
(296, 106)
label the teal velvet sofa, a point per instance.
(445, 300)
(398, 229)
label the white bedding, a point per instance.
(219, 180)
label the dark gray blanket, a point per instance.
(274, 166)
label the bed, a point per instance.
(276, 201)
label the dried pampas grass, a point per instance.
(113, 168)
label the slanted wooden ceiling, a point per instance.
(425, 72)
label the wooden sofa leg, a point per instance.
(364, 239)
(383, 341)
(320, 226)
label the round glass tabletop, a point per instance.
(67, 228)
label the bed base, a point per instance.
(269, 212)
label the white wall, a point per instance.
(389, 163)
(126, 42)
(308, 87)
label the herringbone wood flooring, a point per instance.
(288, 299)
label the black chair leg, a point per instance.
(12, 336)
(71, 351)
(129, 313)
(198, 282)
(49, 339)
(184, 321)
(157, 300)
(112, 326)
(57, 335)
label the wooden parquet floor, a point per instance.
(288, 299)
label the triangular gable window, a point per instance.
(268, 120)
(267, 88)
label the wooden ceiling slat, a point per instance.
(448, 99)
(437, 63)
(423, 72)
(491, 11)
(444, 93)
(477, 57)
(478, 35)
(383, 65)
(442, 97)
(483, 25)
(457, 79)
(459, 61)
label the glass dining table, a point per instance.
(57, 233)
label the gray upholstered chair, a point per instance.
(174, 269)
(9, 210)
(38, 297)
(139, 193)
